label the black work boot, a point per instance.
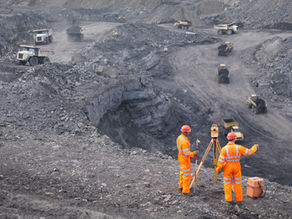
(240, 204)
(190, 194)
(226, 203)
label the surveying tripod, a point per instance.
(216, 152)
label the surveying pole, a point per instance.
(216, 152)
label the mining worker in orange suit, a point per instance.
(184, 158)
(229, 159)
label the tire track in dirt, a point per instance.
(252, 128)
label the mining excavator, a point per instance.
(223, 74)
(225, 48)
(256, 104)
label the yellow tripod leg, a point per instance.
(216, 153)
(200, 166)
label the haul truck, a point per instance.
(226, 28)
(43, 36)
(31, 55)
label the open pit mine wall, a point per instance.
(147, 108)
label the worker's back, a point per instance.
(183, 146)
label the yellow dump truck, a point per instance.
(183, 24)
(230, 125)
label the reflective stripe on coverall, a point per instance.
(184, 158)
(229, 159)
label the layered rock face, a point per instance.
(128, 110)
(272, 58)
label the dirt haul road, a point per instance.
(64, 51)
(196, 71)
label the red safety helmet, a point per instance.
(231, 136)
(185, 128)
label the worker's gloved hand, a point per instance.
(218, 169)
(196, 152)
(257, 146)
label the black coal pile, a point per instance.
(257, 14)
(273, 60)
(37, 101)
(121, 53)
(9, 73)
(155, 11)
(252, 14)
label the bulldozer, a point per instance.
(223, 74)
(256, 104)
(225, 48)
(43, 36)
(183, 24)
(31, 55)
(226, 28)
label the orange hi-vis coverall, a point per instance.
(229, 159)
(184, 158)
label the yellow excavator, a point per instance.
(256, 104)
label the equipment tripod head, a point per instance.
(214, 131)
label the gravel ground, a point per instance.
(92, 134)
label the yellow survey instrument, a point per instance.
(214, 143)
